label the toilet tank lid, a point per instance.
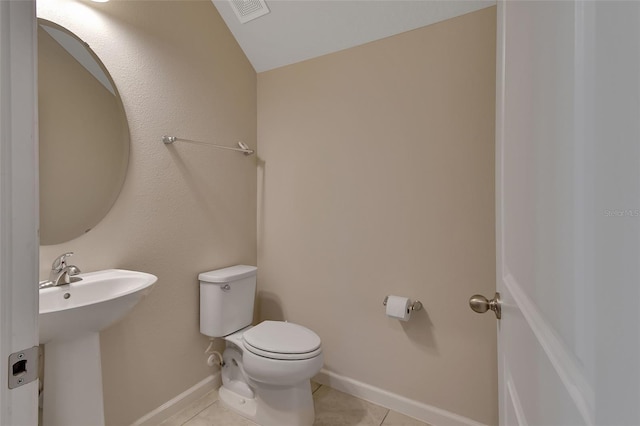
(229, 274)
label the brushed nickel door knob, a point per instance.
(480, 304)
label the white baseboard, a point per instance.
(181, 401)
(418, 410)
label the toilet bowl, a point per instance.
(267, 367)
(275, 366)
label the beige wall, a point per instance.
(183, 209)
(376, 177)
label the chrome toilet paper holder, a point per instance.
(415, 306)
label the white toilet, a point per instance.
(267, 367)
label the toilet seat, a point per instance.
(282, 356)
(282, 340)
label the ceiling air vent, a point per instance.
(248, 10)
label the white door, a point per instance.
(568, 212)
(18, 213)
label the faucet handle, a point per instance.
(60, 261)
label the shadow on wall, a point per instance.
(419, 330)
(192, 182)
(261, 167)
(269, 307)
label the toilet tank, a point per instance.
(226, 299)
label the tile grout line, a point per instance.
(385, 417)
(213, 402)
(195, 415)
(209, 405)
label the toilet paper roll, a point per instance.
(399, 308)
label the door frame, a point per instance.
(19, 217)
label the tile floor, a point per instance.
(333, 408)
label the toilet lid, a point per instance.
(282, 340)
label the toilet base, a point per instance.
(273, 405)
(246, 407)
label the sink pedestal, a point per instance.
(73, 382)
(71, 316)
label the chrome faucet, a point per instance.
(61, 273)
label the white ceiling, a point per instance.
(297, 30)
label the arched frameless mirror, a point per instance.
(84, 136)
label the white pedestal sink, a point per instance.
(71, 317)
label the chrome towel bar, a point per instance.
(243, 146)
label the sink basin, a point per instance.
(90, 305)
(71, 317)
